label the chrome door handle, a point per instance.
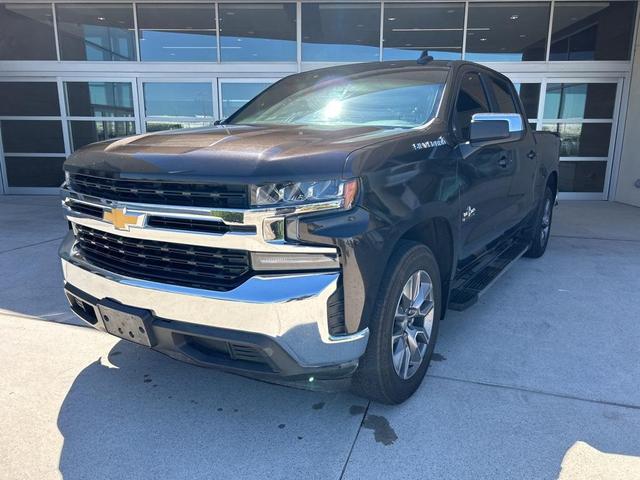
(531, 154)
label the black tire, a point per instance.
(542, 226)
(376, 377)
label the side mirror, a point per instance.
(486, 127)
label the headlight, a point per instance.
(296, 193)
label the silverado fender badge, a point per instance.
(468, 213)
(119, 219)
(438, 142)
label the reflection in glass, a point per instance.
(158, 126)
(580, 100)
(258, 32)
(503, 96)
(84, 132)
(582, 139)
(29, 99)
(177, 32)
(592, 30)
(235, 95)
(410, 28)
(340, 32)
(530, 97)
(32, 136)
(99, 99)
(178, 99)
(385, 99)
(26, 32)
(507, 32)
(583, 176)
(34, 171)
(100, 32)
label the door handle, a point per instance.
(531, 154)
(503, 162)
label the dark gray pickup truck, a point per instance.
(320, 233)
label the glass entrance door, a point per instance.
(584, 113)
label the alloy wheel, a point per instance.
(413, 324)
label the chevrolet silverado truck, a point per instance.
(318, 234)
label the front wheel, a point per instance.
(542, 226)
(403, 327)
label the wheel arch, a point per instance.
(436, 233)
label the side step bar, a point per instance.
(465, 295)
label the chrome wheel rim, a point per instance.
(546, 222)
(412, 325)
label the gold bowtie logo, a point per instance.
(119, 219)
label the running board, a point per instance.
(468, 293)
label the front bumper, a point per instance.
(271, 325)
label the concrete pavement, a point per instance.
(538, 380)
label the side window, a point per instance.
(504, 97)
(471, 99)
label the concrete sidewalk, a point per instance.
(538, 380)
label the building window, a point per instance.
(530, 97)
(340, 32)
(178, 105)
(99, 99)
(32, 136)
(177, 32)
(33, 172)
(34, 146)
(586, 176)
(264, 32)
(592, 30)
(84, 132)
(580, 100)
(410, 28)
(507, 32)
(99, 111)
(26, 32)
(235, 94)
(33, 99)
(96, 32)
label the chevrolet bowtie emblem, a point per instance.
(119, 219)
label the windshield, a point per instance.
(387, 99)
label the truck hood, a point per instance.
(230, 153)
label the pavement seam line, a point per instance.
(538, 392)
(31, 245)
(355, 439)
(578, 237)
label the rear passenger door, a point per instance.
(520, 154)
(482, 174)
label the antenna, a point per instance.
(424, 58)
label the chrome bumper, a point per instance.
(290, 309)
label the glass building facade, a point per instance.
(74, 72)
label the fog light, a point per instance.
(294, 261)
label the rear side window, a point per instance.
(504, 97)
(471, 99)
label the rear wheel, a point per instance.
(542, 227)
(403, 327)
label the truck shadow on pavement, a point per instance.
(138, 414)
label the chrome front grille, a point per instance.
(174, 263)
(212, 195)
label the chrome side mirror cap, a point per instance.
(496, 127)
(515, 121)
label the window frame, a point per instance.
(458, 88)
